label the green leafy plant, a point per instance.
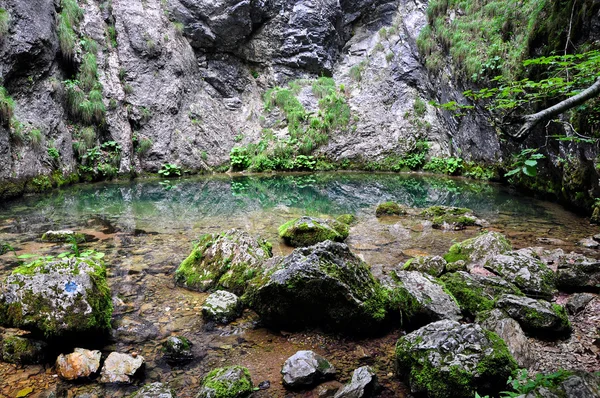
(170, 170)
(522, 384)
(53, 153)
(525, 163)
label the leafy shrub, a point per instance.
(170, 170)
(449, 166)
(525, 162)
(239, 158)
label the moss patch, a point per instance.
(306, 231)
(217, 384)
(389, 209)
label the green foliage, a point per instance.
(69, 17)
(179, 28)
(451, 165)
(4, 18)
(53, 153)
(143, 146)
(36, 138)
(525, 163)
(239, 158)
(170, 170)
(323, 86)
(88, 71)
(357, 70)
(419, 107)
(111, 33)
(7, 106)
(522, 384)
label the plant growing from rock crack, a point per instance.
(7, 106)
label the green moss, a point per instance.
(220, 388)
(456, 253)
(436, 211)
(496, 367)
(19, 350)
(471, 298)
(561, 313)
(389, 209)
(302, 232)
(346, 218)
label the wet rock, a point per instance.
(528, 273)
(323, 285)
(21, 350)
(307, 231)
(510, 331)
(305, 369)
(389, 209)
(327, 389)
(576, 272)
(447, 359)
(230, 382)
(63, 236)
(578, 302)
(56, 297)
(588, 243)
(432, 265)
(129, 330)
(577, 384)
(363, 384)
(119, 368)
(222, 306)
(476, 293)
(537, 317)
(177, 350)
(450, 218)
(476, 250)
(80, 363)
(225, 261)
(154, 390)
(421, 299)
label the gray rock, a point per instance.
(476, 251)
(230, 382)
(79, 364)
(120, 368)
(154, 390)
(222, 306)
(422, 299)
(577, 272)
(528, 273)
(363, 384)
(588, 243)
(178, 350)
(305, 369)
(323, 285)
(432, 265)
(22, 350)
(57, 297)
(133, 331)
(578, 302)
(510, 331)
(446, 358)
(308, 231)
(536, 316)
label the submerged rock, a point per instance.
(421, 299)
(510, 331)
(119, 368)
(447, 359)
(578, 302)
(56, 297)
(21, 350)
(305, 369)
(222, 306)
(576, 272)
(80, 363)
(307, 231)
(389, 209)
(323, 285)
(528, 273)
(476, 250)
(224, 261)
(177, 350)
(536, 316)
(154, 390)
(363, 384)
(432, 265)
(63, 236)
(230, 382)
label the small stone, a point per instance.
(24, 392)
(511, 332)
(222, 306)
(118, 368)
(432, 265)
(308, 231)
(177, 349)
(305, 369)
(264, 385)
(578, 302)
(363, 384)
(78, 364)
(21, 350)
(389, 209)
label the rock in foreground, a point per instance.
(476, 250)
(80, 363)
(119, 368)
(536, 316)
(21, 350)
(307, 231)
(363, 384)
(178, 350)
(305, 369)
(446, 359)
(222, 306)
(230, 382)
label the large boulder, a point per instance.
(511, 332)
(57, 297)
(120, 368)
(446, 359)
(576, 272)
(78, 364)
(528, 273)
(476, 293)
(536, 316)
(432, 265)
(421, 299)
(476, 250)
(307, 231)
(363, 384)
(223, 261)
(305, 369)
(229, 382)
(222, 306)
(21, 350)
(323, 285)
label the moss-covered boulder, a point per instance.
(432, 265)
(21, 350)
(223, 261)
(447, 359)
(222, 306)
(229, 382)
(576, 273)
(177, 350)
(324, 285)
(511, 332)
(476, 293)
(389, 209)
(450, 218)
(536, 317)
(307, 231)
(476, 250)
(57, 297)
(346, 218)
(63, 236)
(528, 273)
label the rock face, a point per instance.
(422, 300)
(510, 331)
(80, 363)
(363, 384)
(308, 231)
(230, 382)
(57, 297)
(222, 306)
(305, 369)
(323, 285)
(432, 265)
(447, 359)
(178, 350)
(226, 261)
(154, 390)
(536, 316)
(475, 251)
(532, 276)
(119, 368)
(21, 350)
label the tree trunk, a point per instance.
(530, 121)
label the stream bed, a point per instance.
(146, 228)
